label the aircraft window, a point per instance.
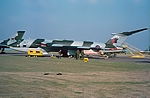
(24, 45)
(37, 51)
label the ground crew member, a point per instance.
(82, 54)
(59, 52)
(77, 54)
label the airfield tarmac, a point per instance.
(119, 77)
(118, 58)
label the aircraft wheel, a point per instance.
(106, 57)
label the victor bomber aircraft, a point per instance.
(12, 41)
(69, 47)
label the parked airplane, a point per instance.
(12, 41)
(69, 47)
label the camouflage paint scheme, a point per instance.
(69, 47)
(12, 41)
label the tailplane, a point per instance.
(118, 38)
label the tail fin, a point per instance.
(18, 37)
(119, 38)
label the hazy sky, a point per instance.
(93, 20)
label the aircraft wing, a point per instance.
(66, 46)
(76, 47)
(83, 47)
(57, 45)
(69, 44)
(37, 43)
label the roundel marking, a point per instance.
(97, 47)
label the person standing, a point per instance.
(59, 52)
(82, 54)
(77, 54)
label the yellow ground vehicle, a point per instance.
(35, 53)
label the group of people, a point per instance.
(79, 54)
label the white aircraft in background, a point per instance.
(69, 47)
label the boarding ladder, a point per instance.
(134, 51)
